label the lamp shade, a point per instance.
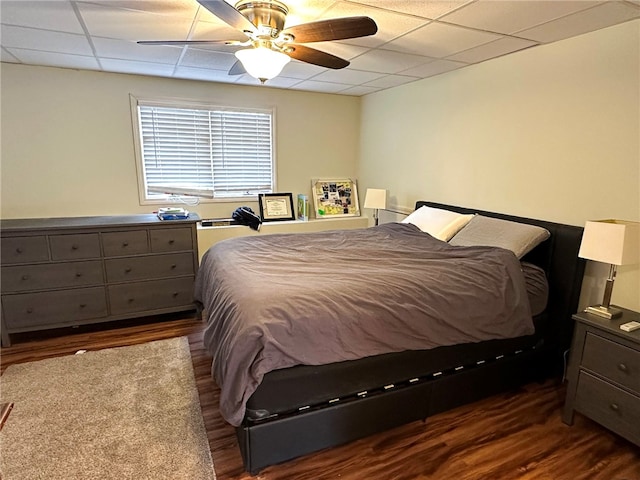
(375, 198)
(616, 242)
(262, 63)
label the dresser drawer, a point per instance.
(54, 275)
(117, 244)
(612, 361)
(149, 267)
(152, 295)
(24, 250)
(171, 239)
(75, 247)
(609, 405)
(53, 308)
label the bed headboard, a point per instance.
(558, 256)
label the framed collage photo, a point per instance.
(335, 198)
(276, 207)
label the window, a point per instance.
(220, 153)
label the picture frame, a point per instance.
(334, 198)
(303, 207)
(276, 207)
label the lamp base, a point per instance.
(605, 312)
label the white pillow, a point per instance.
(440, 224)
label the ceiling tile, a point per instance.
(315, 86)
(385, 61)
(391, 81)
(348, 76)
(53, 59)
(173, 8)
(607, 14)
(359, 90)
(440, 40)
(430, 10)
(130, 50)
(141, 68)
(107, 21)
(195, 57)
(216, 31)
(281, 82)
(45, 40)
(48, 15)
(304, 11)
(434, 68)
(493, 49)
(301, 70)
(209, 74)
(512, 16)
(7, 56)
(390, 25)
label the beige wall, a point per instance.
(551, 132)
(67, 143)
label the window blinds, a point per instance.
(228, 152)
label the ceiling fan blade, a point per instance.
(316, 57)
(192, 42)
(237, 68)
(332, 29)
(228, 14)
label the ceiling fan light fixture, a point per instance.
(262, 63)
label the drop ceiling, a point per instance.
(416, 39)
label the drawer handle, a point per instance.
(78, 275)
(614, 407)
(171, 242)
(173, 266)
(175, 294)
(25, 277)
(29, 309)
(125, 244)
(127, 270)
(131, 300)
(623, 368)
(74, 247)
(18, 250)
(83, 305)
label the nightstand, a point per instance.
(604, 374)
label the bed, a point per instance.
(319, 339)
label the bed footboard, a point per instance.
(287, 437)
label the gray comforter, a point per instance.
(274, 301)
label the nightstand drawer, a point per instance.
(152, 295)
(24, 250)
(171, 239)
(150, 267)
(49, 276)
(75, 247)
(54, 308)
(613, 361)
(117, 244)
(610, 406)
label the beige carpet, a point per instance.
(119, 413)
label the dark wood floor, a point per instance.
(518, 435)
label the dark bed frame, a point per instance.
(285, 437)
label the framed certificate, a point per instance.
(276, 206)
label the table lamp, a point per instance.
(616, 242)
(375, 198)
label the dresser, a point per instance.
(59, 272)
(604, 374)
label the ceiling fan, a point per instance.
(271, 46)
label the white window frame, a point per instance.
(206, 196)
